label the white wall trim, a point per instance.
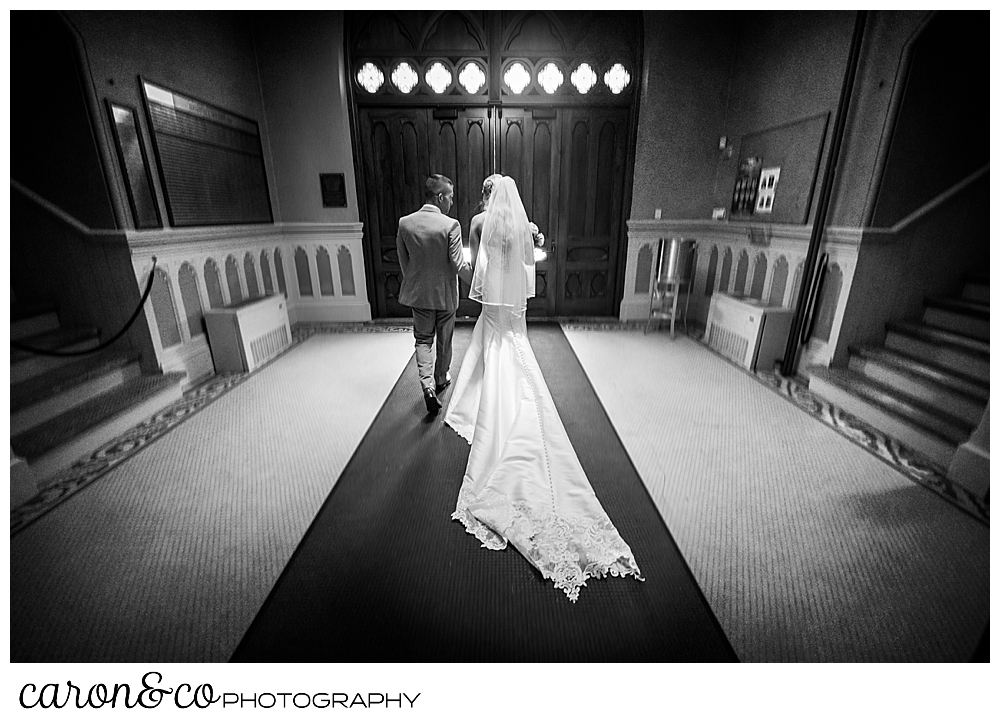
(175, 247)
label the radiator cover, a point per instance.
(246, 335)
(745, 330)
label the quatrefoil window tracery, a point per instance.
(617, 78)
(550, 78)
(472, 77)
(439, 76)
(404, 77)
(517, 78)
(370, 77)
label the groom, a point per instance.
(429, 244)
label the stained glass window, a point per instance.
(617, 78)
(405, 77)
(370, 77)
(438, 77)
(517, 78)
(472, 77)
(583, 78)
(550, 78)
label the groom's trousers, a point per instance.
(428, 324)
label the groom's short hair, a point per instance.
(436, 183)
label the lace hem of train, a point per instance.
(566, 549)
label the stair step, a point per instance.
(936, 334)
(878, 365)
(961, 317)
(931, 433)
(25, 364)
(48, 395)
(78, 422)
(977, 291)
(974, 309)
(26, 309)
(956, 381)
(53, 381)
(949, 351)
(33, 324)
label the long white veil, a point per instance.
(505, 267)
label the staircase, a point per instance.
(64, 407)
(929, 384)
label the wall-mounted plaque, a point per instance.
(211, 161)
(135, 168)
(334, 190)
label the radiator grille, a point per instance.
(268, 345)
(728, 343)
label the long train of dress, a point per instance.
(524, 482)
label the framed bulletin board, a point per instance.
(134, 166)
(795, 148)
(210, 160)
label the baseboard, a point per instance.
(338, 311)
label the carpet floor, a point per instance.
(170, 554)
(807, 546)
(384, 575)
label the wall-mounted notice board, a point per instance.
(795, 148)
(211, 161)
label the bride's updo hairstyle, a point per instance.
(504, 274)
(488, 185)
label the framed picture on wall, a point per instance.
(135, 167)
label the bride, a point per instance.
(524, 482)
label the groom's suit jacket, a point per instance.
(429, 244)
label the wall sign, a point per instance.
(765, 189)
(334, 190)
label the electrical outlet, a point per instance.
(658, 213)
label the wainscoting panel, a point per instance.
(204, 268)
(764, 262)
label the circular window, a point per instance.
(517, 78)
(472, 77)
(617, 78)
(370, 77)
(583, 78)
(405, 77)
(550, 78)
(438, 77)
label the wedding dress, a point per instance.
(524, 482)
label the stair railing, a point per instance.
(103, 345)
(87, 271)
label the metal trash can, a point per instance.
(674, 259)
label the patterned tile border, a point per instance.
(903, 459)
(81, 473)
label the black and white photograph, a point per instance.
(366, 344)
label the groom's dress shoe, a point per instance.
(443, 385)
(431, 400)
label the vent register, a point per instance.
(748, 331)
(247, 335)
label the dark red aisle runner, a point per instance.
(384, 575)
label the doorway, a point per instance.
(511, 103)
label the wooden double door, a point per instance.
(569, 164)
